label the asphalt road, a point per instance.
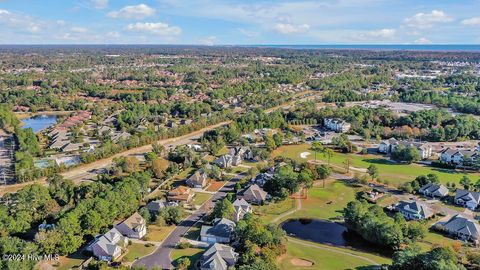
(161, 257)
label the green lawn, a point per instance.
(222, 151)
(158, 233)
(270, 211)
(193, 254)
(136, 250)
(180, 178)
(239, 169)
(394, 173)
(326, 203)
(193, 233)
(72, 261)
(200, 198)
(325, 257)
(321, 203)
(435, 239)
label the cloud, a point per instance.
(78, 29)
(20, 22)
(209, 41)
(386, 33)
(162, 29)
(423, 40)
(471, 21)
(113, 34)
(288, 28)
(100, 4)
(133, 12)
(428, 20)
(249, 33)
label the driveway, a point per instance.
(161, 257)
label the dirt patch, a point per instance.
(301, 262)
(215, 186)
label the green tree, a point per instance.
(305, 178)
(465, 182)
(328, 153)
(278, 139)
(223, 209)
(317, 147)
(269, 143)
(183, 263)
(373, 171)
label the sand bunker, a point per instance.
(304, 155)
(301, 262)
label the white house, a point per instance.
(241, 207)
(108, 247)
(456, 157)
(337, 125)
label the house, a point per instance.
(199, 179)
(457, 157)
(434, 190)
(133, 227)
(261, 178)
(70, 147)
(180, 194)
(154, 207)
(218, 257)
(254, 194)
(385, 146)
(243, 152)
(414, 210)
(108, 247)
(337, 125)
(241, 207)
(227, 161)
(466, 198)
(221, 231)
(388, 146)
(463, 228)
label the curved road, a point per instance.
(161, 257)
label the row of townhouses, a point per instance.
(388, 146)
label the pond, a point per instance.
(39, 122)
(330, 233)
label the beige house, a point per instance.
(133, 227)
(254, 194)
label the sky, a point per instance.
(240, 22)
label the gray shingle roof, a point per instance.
(463, 225)
(439, 190)
(467, 195)
(221, 228)
(217, 253)
(415, 207)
